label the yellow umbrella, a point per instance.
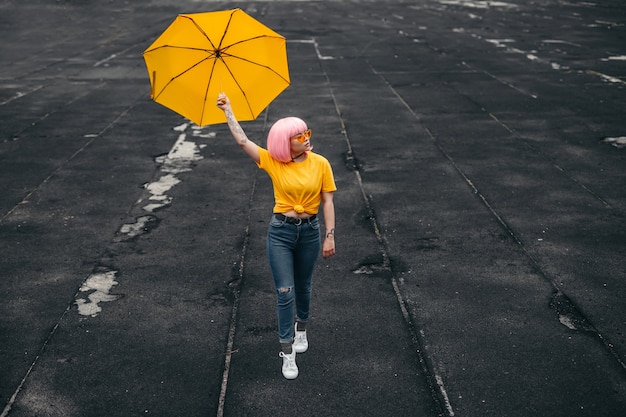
(203, 54)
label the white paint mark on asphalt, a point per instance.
(197, 132)
(158, 190)
(98, 285)
(154, 206)
(113, 56)
(106, 60)
(181, 158)
(615, 58)
(618, 142)
(132, 230)
(531, 56)
(160, 187)
(567, 322)
(316, 46)
(180, 128)
(500, 43)
(608, 23)
(605, 77)
(20, 94)
(478, 4)
(184, 153)
(558, 41)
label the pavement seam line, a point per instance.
(552, 162)
(233, 315)
(19, 94)
(526, 141)
(608, 345)
(433, 378)
(236, 291)
(13, 398)
(68, 160)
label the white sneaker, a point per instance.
(300, 343)
(290, 369)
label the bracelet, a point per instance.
(331, 233)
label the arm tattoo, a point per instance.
(236, 128)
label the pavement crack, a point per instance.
(352, 164)
(568, 313)
(433, 377)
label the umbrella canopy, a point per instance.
(203, 54)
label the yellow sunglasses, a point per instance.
(301, 137)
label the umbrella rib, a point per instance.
(203, 33)
(225, 48)
(250, 62)
(183, 73)
(230, 19)
(251, 39)
(206, 91)
(238, 85)
(212, 53)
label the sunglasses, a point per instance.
(301, 137)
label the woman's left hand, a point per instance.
(328, 249)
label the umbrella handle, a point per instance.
(153, 84)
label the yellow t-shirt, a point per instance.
(298, 186)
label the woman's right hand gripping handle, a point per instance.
(249, 147)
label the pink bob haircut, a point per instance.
(279, 137)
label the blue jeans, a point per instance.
(292, 251)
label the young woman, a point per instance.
(302, 180)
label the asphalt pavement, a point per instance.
(479, 150)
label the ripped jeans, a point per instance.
(292, 251)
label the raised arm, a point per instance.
(328, 208)
(249, 147)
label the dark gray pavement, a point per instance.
(480, 215)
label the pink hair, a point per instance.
(279, 137)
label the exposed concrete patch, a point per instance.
(158, 189)
(181, 158)
(142, 225)
(98, 285)
(569, 315)
(370, 265)
(184, 153)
